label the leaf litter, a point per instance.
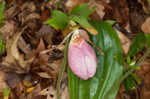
(34, 51)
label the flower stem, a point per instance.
(62, 69)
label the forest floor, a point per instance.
(33, 56)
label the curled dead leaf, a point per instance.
(13, 54)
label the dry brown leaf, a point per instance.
(99, 8)
(13, 53)
(107, 1)
(24, 46)
(41, 46)
(32, 16)
(65, 94)
(34, 93)
(19, 92)
(45, 15)
(124, 41)
(12, 79)
(30, 6)
(12, 11)
(46, 32)
(8, 29)
(72, 3)
(44, 75)
(2, 80)
(50, 92)
(146, 26)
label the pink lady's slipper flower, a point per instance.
(81, 56)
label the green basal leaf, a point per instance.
(2, 47)
(137, 45)
(106, 82)
(2, 7)
(148, 39)
(82, 10)
(58, 19)
(82, 21)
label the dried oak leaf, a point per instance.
(72, 3)
(29, 6)
(24, 47)
(34, 93)
(44, 75)
(2, 80)
(32, 16)
(50, 92)
(125, 41)
(46, 32)
(8, 29)
(13, 53)
(146, 26)
(99, 8)
(12, 79)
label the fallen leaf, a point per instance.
(13, 54)
(8, 29)
(30, 6)
(124, 41)
(40, 47)
(19, 91)
(12, 11)
(46, 32)
(146, 26)
(50, 92)
(72, 3)
(34, 93)
(2, 80)
(99, 8)
(45, 15)
(12, 79)
(24, 47)
(44, 75)
(32, 16)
